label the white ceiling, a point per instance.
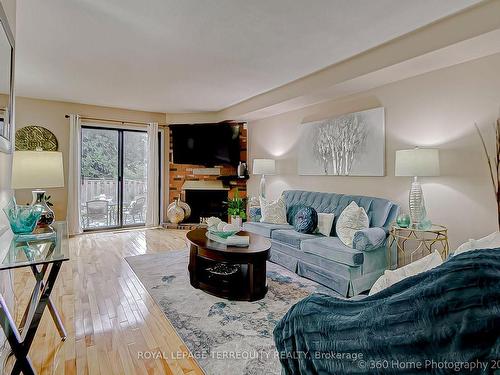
(196, 55)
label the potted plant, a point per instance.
(236, 209)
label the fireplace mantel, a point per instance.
(203, 185)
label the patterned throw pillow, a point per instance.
(352, 219)
(254, 214)
(273, 212)
(305, 220)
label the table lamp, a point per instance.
(38, 170)
(415, 163)
(263, 167)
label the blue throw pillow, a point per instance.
(305, 220)
(292, 211)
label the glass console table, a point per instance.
(44, 255)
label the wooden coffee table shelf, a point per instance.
(248, 283)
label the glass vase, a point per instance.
(22, 219)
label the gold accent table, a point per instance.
(423, 242)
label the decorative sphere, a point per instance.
(404, 220)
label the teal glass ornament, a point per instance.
(403, 220)
(425, 224)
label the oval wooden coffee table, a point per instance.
(235, 273)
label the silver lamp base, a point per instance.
(418, 213)
(47, 216)
(262, 187)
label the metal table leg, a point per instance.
(21, 343)
(52, 308)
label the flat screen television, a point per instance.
(206, 144)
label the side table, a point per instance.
(413, 243)
(44, 256)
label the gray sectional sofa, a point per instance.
(326, 260)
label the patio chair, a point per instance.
(136, 210)
(97, 211)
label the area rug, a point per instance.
(225, 337)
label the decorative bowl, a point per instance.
(22, 219)
(222, 234)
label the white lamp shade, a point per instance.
(417, 162)
(264, 166)
(37, 169)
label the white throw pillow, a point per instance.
(273, 212)
(352, 219)
(491, 241)
(392, 277)
(325, 223)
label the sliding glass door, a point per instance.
(135, 171)
(114, 178)
(99, 178)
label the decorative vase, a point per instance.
(242, 169)
(186, 208)
(236, 220)
(175, 213)
(183, 205)
(47, 216)
(425, 224)
(403, 220)
(22, 219)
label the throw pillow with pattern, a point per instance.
(273, 212)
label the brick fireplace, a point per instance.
(190, 182)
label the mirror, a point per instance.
(6, 84)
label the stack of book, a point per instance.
(231, 240)
(238, 241)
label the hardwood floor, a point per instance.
(110, 318)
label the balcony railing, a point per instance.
(93, 188)
(107, 189)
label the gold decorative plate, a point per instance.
(32, 137)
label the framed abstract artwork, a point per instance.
(349, 145)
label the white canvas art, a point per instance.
(348, 145)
